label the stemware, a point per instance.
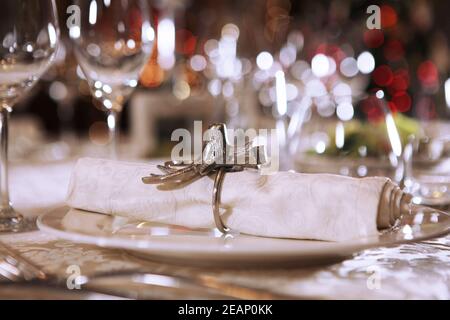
(29, 35)
(427, 157)
(112, 43)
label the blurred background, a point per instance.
(336, 90)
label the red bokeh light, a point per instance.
(393, 50)
(400, 82)
(428, 74)
(332, 51)
(186, 42)
(372, 107)
(383, 76)
(388, 16)
(402, 101)
(373, 38)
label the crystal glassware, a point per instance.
(29, 35)
(112, 42)
(427, 158)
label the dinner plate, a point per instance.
(209, 247)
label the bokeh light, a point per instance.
(264, 60)
(198, 63)
(402, 101)
(428, 74)
(345, 111)
(388, 16)
(383, 76)
(320, 65)
(393, 50)
(349, 67)
(373, 38)
(366, 62)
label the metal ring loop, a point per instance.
(218, 181)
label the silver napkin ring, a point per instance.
(217, 192)
(219, 158)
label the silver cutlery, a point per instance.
(17, 269)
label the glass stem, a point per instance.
(4, 185)
(113, 129)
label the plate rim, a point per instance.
(346, 248)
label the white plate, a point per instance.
(209, 247)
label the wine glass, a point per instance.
(112, 44)
(29, 36)
(427, 157)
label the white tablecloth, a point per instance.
(414, 271)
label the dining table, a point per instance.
(408, 271)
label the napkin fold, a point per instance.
(283, 205)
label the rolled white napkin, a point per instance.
(284, 205)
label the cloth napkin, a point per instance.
(283, 205)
